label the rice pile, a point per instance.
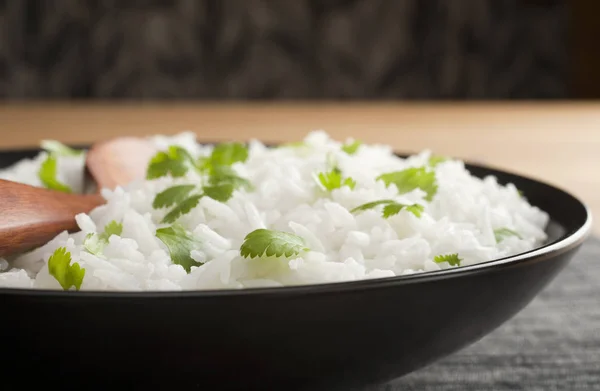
(463, 218)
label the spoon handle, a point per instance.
(31, 216)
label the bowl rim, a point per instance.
(565, 243)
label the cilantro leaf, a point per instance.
(416, 209)
(271, 243)
(293, 144)
(223, 155)
(351, 148)
(222, 179)
(180, 244)
(48, 175)
(390, 208)
(220, 192)
(220, 175)
(184, 203)
(203, 164)
(172, 196)
(351, 183)
(226, 154)
(57, 148)
(395, 208)
(67, 274)
(162, 165)
(333, 179)
(502, 233)
(94, 244)
(371, 205)
(175, 162)
(435, 160)
(181, 209)
(222, 184)
(412, 178)
(112, 228)
(452, 259)
(181, 153)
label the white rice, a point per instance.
(343, 246)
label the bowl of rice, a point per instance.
(319, 264)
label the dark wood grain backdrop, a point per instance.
(584, 53)
(286, 49)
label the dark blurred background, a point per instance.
(298, 49)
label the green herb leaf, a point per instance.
(395, 208)
(271, 243)
(221, 192)
(351, 183)
(226, 154)
(415, 209)
(220, 175)
(333, 179)
(293, 144)
(112, 228)
(218, 167)
(203, 164)
(92, 244)
(184, 203)
(502, 233)
(95, 244)
(67, 274)
(175, 162)
(371, 205)
(57, 148)
(351, 148)
(48, 175)
(223, 155)
(172, 195)
(162, 165)
(412, 178)
(452, 259)
(179, 243)
(184, 207)
(391, 208)
(435, 160)
(181, 153)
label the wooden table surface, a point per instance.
(556, 142)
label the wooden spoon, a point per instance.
(31, 216)
(119, 161)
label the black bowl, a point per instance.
(332, 336)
